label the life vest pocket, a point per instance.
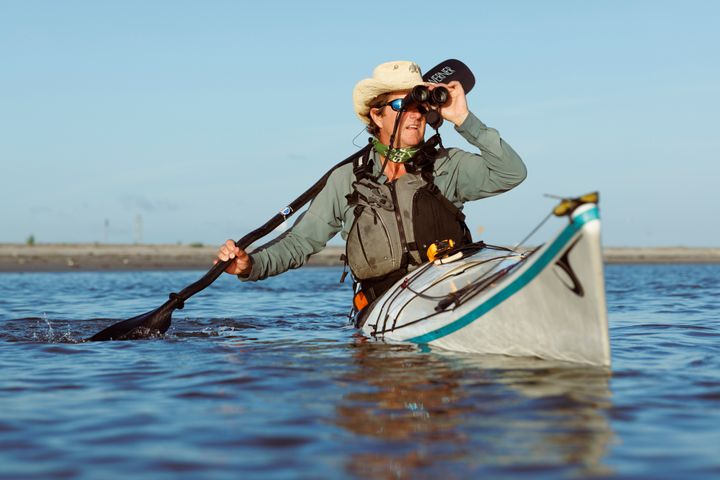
(372, 248)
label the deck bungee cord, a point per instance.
(443, 301)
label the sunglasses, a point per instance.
(397, 106)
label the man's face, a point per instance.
(411, 131)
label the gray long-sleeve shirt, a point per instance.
(461, 176)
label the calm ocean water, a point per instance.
(267, 381)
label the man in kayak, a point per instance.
(389, 205)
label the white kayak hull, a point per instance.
(548, 304)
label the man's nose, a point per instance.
(414, 111)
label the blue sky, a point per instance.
(205, 118)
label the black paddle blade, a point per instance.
(450, 70)
(143, 326)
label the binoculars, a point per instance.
(420, 94)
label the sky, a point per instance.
(196, 121)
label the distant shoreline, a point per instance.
(98, 257)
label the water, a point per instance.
(267, 381)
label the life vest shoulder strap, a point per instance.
(363, 164)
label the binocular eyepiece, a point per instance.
(437, 97)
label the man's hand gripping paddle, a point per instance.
(158, 321)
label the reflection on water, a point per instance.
(488, 414)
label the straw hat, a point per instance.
(387, 77)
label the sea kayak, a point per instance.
(546, 302)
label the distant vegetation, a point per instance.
(30, 240)
(196, 245)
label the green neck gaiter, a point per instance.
(396, 155)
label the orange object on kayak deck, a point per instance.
(440, 249)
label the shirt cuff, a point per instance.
(254, 274)
(471, 127)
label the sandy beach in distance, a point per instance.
(94, 257)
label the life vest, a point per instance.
(395, 223)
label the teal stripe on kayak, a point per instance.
(527, 276)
